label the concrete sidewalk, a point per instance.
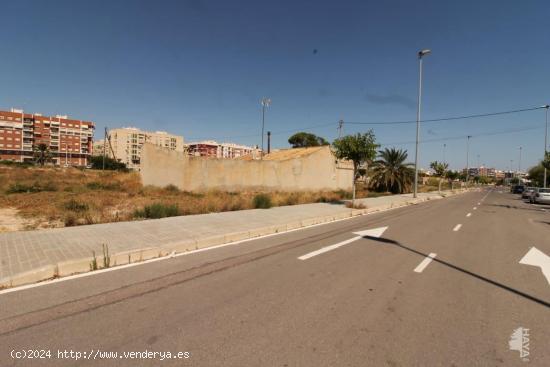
(32, 256)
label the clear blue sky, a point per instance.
(199, 68)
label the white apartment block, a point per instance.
(126, 143)
(213, 149)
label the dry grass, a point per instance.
(57, 197)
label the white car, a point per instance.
(541, 196)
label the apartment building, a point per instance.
(213, 149)
(127, 142)
(68, 140)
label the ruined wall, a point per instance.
(315, 171)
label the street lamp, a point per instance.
(420, 55)
(266, 102)
(545, 138)
(519, 162)
(468, 159)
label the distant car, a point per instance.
(527, 192)
(541, 196)
(518, 189)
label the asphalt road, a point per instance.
(374, 301)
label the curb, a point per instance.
(128, 257)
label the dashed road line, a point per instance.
(457, 227)
(425, 263)
(469, 214)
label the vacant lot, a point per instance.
(57, 197)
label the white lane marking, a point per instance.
(475, 207)
(328, 248)
(457, 227)
(425, 263)
(375, 232)
(535, 257)
(469, 214)
(479, 203)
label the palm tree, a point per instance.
(42, 154)
(440, 170)
(391, 173)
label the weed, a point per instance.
(93, 264)
(106, 256)
(157, 210)
(76, 206)
(262, 201)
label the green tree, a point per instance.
(358, 148)
(111, 164)
(303, 139)
(440, 170)
(391, 173)
(452, 175)
(546, 161)
(536, 175)
(42, 154)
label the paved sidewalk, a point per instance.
(29, 256)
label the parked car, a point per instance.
(517, 189)
(541, 196)
(527, 192)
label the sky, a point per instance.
(199, 69)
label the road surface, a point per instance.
(433, 284)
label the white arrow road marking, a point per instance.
(535, 257)
(375, 232)
(425, 263)
(457, 227)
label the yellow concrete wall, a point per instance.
(315, 171)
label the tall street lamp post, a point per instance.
(266, 102)
(420, 55)
(519, 162)
(468, 158)
(545, 139)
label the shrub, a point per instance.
(95, 185)
(70, 220)
(172, 189)
(110, 164)
(17, 164)
(344, 194)
(76, 206)
(35, 187)
(356, 206)
(262, 201)
(157, 210)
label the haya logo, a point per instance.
(519, 340)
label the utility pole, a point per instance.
(444, 149)
(340, 127)
(420, 54)
(104, 146)
(268, 142)
(545, 143)
(519, 162)
(266, 102)
(468, 158)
